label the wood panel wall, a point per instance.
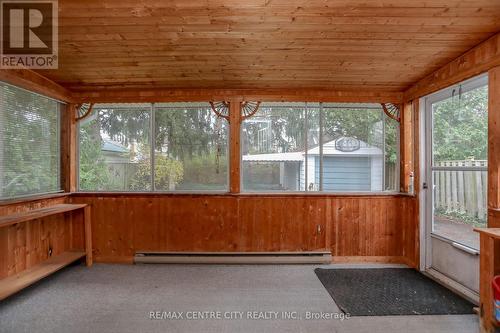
(33, 81)
(478, 60)
(24, 245)
(372, 228)
(494, 146)
(138, 95)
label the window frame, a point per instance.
(152, 142)
(320, 107)
(61, 106)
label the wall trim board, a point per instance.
(27, 244)
(25, 200)
(30, 80)
(377, 226)
(265, 94)
(239, 195)
(477, 60)
(371, 259)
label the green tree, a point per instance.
(460, 129)
(168, 173)
(93, 171)
(29, 142)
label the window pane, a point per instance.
(353, 147)
(273, 148)
(459, 144)
(314, 154)
(282, 150)
(115, 148)
(29, 143)
(190, 148)
(460, 126)
(460, 205)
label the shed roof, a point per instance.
(329, 149)
(114, 147)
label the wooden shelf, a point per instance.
(15, 283)
(491, 232)
(38, 213)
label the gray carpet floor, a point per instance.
(119, 298)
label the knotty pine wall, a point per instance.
(355, 228)
(24, 245)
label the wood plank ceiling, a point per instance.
(347, 44)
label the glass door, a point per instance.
(456, 180)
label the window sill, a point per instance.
(242, 194)
(32, 198)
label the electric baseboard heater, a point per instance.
(308, 257)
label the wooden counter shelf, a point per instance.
(16, 282)
(488, 268)
(35, 214)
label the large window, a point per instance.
(190, 148)
(29, 143)
(188, 140)
(115, 149)
(326, 147)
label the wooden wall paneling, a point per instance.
(24, 245)
(23, 205)
(140, 94)
(264, 44)
(409, 224)
(68, 149)
(494, 218)
(27, 244)
(476, 61)
(487, 265)
(359, 226)
(35, 82)
(406, 145)
(489, 268)
(416, 145)
(328, 224)
(412, 218)
(494, 141)
(87, 224)
(234, 145)
(147, 235)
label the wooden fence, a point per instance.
(391, 177)
(462, 192)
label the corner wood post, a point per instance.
(234, 146)
(88, 235)
(68, 148)
(494, 142)
(406, 144)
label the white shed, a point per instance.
(349, 165)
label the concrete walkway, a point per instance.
(121, 298)
(457, 231)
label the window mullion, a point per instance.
(321, 146)
(306, 144)
(152, 144)
(383, 150)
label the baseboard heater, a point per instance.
(308, 257)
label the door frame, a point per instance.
(425, 186)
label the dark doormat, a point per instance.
(390, 291)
